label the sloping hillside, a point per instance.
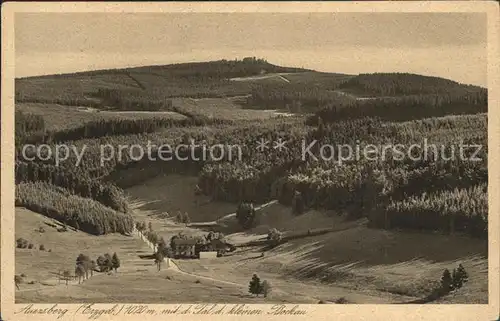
(204, 79)
(396, 84)
(352, 255)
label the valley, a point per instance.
(364, 231)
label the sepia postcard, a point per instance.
(237, 160)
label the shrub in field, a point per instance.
(85, 263)
(21, 243)
(459, 277)
(182, 218)
(255, 286)
(80, 272)
(82, 213)
(274, 237)
(115, 261)
(42, 247)
(30, 246)
(105, 262)
(151, 237)
(266, 288)
(246, 215)
(446, 281)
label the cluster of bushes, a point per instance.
(257, 286)
(25, 244)
(148, 232)
(455, 280)
(182, 218)
(81, 213)
(274, 237)
(85, 266)
(449, 282)
(108, 262)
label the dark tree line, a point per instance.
(394, 84)
(80, 213)
(294, 97)
(112, 127)
(105, 193)
(407, 107)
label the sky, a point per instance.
(450, 45)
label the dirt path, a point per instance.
(229, 216)
(172, 265)
(250, 78)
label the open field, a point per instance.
(224, 108)
(64, 247)
(136, 280)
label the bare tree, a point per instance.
(158, 259)
(266, 288)
(66, 276)
(80, 272)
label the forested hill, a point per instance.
(218, 69)
(249, 66)
(393, 84)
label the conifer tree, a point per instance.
(255, 285)
(446, 281)
(115, 261)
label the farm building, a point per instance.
(185, 247)
(208, 255)
(191, 247)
